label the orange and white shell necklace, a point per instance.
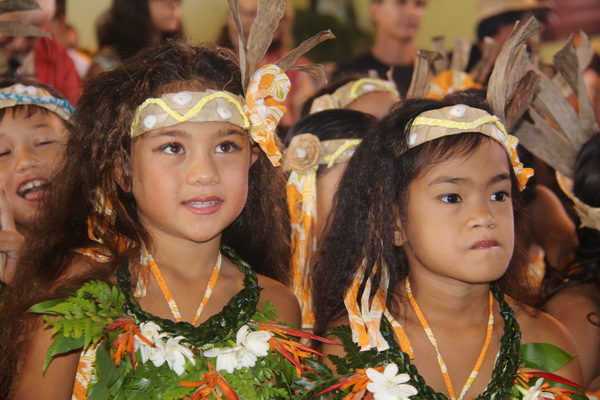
(212, 281)
(442, 364)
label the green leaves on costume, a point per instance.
(79, 321)
(544, 356)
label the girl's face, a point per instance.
(460, 218)
(190, 180)
(31, 149)
(165, 14)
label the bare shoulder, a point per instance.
(540, 327)
(336, 349)
(282, 298)
(56, 382)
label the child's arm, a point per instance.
(11, 241)
(572, 308)
(58, 380)
(282, 298)
(544, 328)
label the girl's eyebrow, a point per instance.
(229, 132)
(466, 181)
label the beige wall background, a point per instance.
(203, 20)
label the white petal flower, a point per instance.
(534, 392)
(156, 354)
(227, 358)
(151, 331)
(388, 385)
(256, 343)
(176, 354)
(245, 358)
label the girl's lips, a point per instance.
(32, 189)
(203, 205)
(484, 244)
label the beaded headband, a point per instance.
(20, 94)
(350, 92)
(302, 158)
(459, 119)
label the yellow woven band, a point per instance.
(175, 108)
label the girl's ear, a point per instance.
(254, 153)
(122, 175)
(399, 235)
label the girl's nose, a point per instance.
(25, 159)
(203, 171)
(481, 217)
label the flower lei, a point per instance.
(372, 374)
(238, 353)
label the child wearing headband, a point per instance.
(428, 287)
(33, 134)
(319, 147)
(142, 281)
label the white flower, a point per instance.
(389, 386)
(256, 343)
(152, 332)
(175, 354)
(227, 358)
(534, 392)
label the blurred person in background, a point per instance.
(397, 24)
(39, 58)
(131, 25)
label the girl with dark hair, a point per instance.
(133, 266)
(318, 149)
(131, 25)
(575, 297)
(420, 248)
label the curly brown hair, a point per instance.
(98, 151)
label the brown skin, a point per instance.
(571, 306)
(58, 380)
(460, 337)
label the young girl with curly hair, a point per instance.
(131, 286)
(428, 292)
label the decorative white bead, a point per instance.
(31, 90)
(499, 134)
(458, 110)
(20, 88)
(150, 121)
(301, 152)
(369, 87)
(412, 139)
(182, 98)
(224, 112)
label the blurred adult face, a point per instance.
(398, 19)
(165, 15)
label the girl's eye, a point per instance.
(227, 147)
(44, 143)
(500, 196)
(4, 153)
(172, 148)
(450, 198)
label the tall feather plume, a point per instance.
(510, 84)
(559, 130)
(268, 15)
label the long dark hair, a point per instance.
(127, 27)
(585, 267)
(98, 151)
(373, 195)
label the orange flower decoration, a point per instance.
(211, 381)
(266, 92)
(125, 342)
